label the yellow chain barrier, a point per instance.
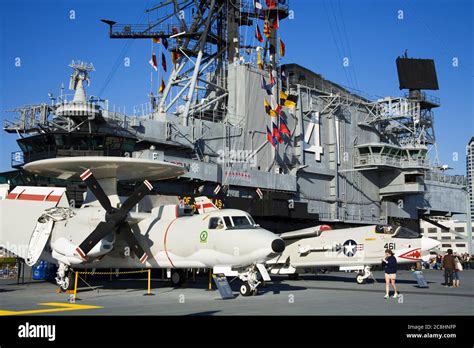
(111, 273)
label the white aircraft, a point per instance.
(37, 223)
(353, 249)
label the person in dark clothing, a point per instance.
(390, 263)
(448, 265)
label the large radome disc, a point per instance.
(122, 168)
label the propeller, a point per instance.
(115, 219)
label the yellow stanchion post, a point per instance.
(210, 280)
(149, 284)
(75, 284)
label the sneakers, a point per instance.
(386, 296)
(395, 295)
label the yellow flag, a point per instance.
(259, 59)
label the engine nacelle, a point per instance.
(65, 251)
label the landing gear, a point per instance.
(250, 281)
(65, 277)
(245, 289)
(362, 276)
(177, 277)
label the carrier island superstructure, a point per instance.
(350, 160)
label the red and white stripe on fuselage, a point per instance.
(37, 193)
(204, 205)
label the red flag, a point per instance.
(275, 106)
(163, 61)
(162, 86)
(271, 139)
(258, 34)
(272, 79)
(276, 133)
(153, 63)
(175, 55)
(284, 127)
(271, 3)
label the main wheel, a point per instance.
(360, 279)
(177, 277)
(68, 283)
(245, 290)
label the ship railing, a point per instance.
(249, 7)
(427, 98)
(145, 30)
(392, 161)
(445, 178)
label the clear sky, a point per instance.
(371, 33)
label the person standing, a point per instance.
(390, 263)
(457, 269)
(438, 261)
(448, 265)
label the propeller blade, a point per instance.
(136, 196)
(102, 229)
(133, 242)
(96, 189)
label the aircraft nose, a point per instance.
(278, 245)
(429, 243)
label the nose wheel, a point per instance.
(64, 278)
(250, 282)
(246, 290)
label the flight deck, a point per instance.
(334, 293)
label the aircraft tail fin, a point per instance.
(204, 205)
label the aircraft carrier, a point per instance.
(277, 140)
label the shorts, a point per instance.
(391, 275)
(455, 276)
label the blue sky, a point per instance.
(369, 32)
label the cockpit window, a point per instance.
(227, 221)
(384, 229)
(251, 220)
(403, 232)
(241, 221)
(216, 223)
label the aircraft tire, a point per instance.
(69, 282)
(177, 277)
(359, 279)
(245, 290)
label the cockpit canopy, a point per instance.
(397, 231)
(231, 222)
